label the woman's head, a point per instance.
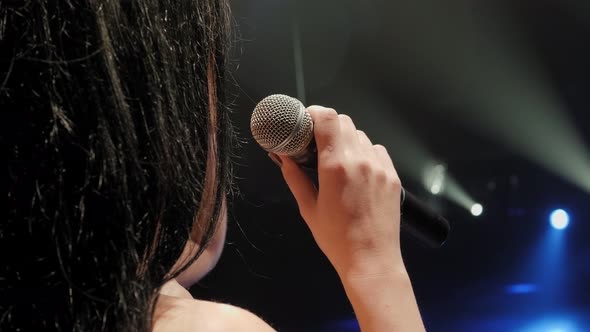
(117, 143)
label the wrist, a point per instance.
(383, 300)
(372, 268)
(372, 277)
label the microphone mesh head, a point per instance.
(280, 124)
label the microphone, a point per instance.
(280, 124)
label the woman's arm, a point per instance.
(384, 302)
(355, 220)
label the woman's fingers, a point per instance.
(348, 132)
(364, 139)
(385, 160)
(301, 186)
(326, 124)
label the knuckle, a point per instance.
(335, 167)
(380, 148)
(396, 183)
(382, 176)
(322, 113)
(344, 118)
(364, 166)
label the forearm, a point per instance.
(355, 219)
(383, 301)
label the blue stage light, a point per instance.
(554, 324)
(559, 219)
(521, 288)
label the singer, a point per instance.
(118, 141)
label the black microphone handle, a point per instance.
(422, 222)
(417, 218)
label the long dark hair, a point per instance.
(117, 142)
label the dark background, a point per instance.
(454, 77)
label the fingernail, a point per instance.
(275, 159)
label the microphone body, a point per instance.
(280, 124)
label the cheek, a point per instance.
(208, 259)
(217, 243)
(218, 240)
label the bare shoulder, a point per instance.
(187, 315)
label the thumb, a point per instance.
(299, 183)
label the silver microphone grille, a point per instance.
(280, 124)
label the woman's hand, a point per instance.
(355, 220)
(355, 214)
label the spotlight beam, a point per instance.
(410, 154)
(455, 193)
(491, 81)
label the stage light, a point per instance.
(521, 288)
(491, 102)
(553, 324)
(476, 209)
(437, 181)
(435, 189)
(434, 178)
(559, 219)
